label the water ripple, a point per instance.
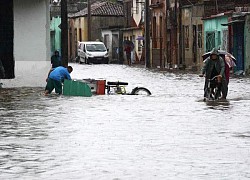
(172, 134)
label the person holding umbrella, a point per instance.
(127, 50)
(229, 65)
(229, 60)
(214, 65)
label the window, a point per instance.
(154, 32)
(219, 38)
(160, 28)
(200, 36)
(224, 45)
(95, 47)
(142, 15)
(210, 41)
(80, 34)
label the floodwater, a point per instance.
(172, 134)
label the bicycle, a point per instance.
(119, 88)
(212, 89)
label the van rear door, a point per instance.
(80, 50)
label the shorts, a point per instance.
(53, 84)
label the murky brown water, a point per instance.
(169, 135)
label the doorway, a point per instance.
(6, 39)
(238, 51)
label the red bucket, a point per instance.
(100, 88)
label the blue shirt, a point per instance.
(59, 74)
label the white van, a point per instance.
(92, 52)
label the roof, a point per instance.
(228, 13)
(103, 8)
(233, 22)
(130, 28)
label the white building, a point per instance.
(31, 41)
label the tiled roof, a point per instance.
(103, 8)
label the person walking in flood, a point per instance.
(56, 78)
(128, 54)
(214, 65)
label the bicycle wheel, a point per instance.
(141, 91)
(216, 93)
(208, 94)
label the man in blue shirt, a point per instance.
(56, 78)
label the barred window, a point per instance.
(200, 36)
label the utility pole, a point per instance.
(216, 4)
(89, 20)
(168, 35)
(64, 32)
(147, 35)
(161, 38)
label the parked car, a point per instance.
(92, 52)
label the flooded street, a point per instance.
(171, 134)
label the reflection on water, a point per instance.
(218, 104)
(169, 135)
(243, 135)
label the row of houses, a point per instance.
(181, 31)
(107, 20)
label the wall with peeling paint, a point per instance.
(31, 41)
(215, 25)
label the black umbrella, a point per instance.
(222, 53)
(229, 58)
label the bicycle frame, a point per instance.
(118, 87)
(212, 93)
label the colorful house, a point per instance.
(200, 28)
(230, 32)
(215, 34)
(240, 40)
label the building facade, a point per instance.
(28, 40)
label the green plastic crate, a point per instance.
(76, 88)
